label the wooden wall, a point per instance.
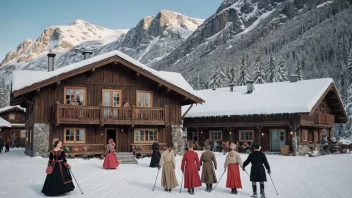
(10, 132)
(19, 116)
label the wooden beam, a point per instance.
(137, 74)
(38, 90)
(159, 85)
(115, 62)
(93, 70)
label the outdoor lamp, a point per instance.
(262, 134)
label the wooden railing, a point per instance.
(69, 114)
(317, 119)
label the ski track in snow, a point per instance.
(294, 177)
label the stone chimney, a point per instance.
(250, 86)
(231, 87)
(51, 61)
(294, 78)
(87, 54)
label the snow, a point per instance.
(324, 177)
(4, 123)
(20, 78)
(324, 4)
(7, 108)
(269, 98)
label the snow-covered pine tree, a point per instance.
(3, 93)
(282, 71)
(230, 76)
(299, 70)
(243, 76)
(349, 68)
(271, 69)
(259, 71)
(215, 78)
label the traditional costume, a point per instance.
(233, 160)
(110, 161)
(190, 167)
(155, 155)
(58, 181)
(257, 158)
(168, 177)
(208, 162)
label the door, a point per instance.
(111, 134)
(111, 98)
(277, 139)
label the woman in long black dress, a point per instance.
(154, 162)
(59, 181)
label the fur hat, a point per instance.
(233, 146)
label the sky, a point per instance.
(24, 19)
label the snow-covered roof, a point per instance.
(9, 108)
(269, 98)
(25, 78)
(4, 123)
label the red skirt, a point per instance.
(233, 176)
(110, 161)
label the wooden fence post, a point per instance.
(132, 114)
(101, 116)
(166, 111)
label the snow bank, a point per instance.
(25, 78)
(269, 98)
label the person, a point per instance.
(167, 162)
(7, 146)
(233, 160)
(155, 155)
(215, 146)
(323, 140)
(59, 181)
(1, 144)
(110, 161)
(257, 159)
(208, 162)
(126, 104)
(195, 145)
(226, 147)
(15, 144)
(206, 143)
(245, 147)
(189, 166)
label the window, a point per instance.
(11, 116)
(316, 136)
(282, 136)
(144, 98)
(145, 135)
(304, 135)
(246, 135)
(75, 135)
(195, 136)
(75, 95)
(112, 98)
(215, 135)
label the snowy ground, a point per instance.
(295, 177)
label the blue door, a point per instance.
(277, 139)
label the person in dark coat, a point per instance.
(257, 158)
(154, 162)
(59, 181)
(7, 146)
(1, 144)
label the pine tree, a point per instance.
(299, 70)
(282, 71)
(349, 68)
(259, 71)
(243, 75)
(215, 78)
(3, 93)
(271, 69)
(230, 76)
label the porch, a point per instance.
(69, 114)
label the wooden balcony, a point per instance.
(317, 119)
(68, 114)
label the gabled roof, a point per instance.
(11, 108)
(4, 123)
(26, 81)
(269, 98)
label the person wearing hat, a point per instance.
(208, 162)
(257, 158)
(233, 160)
(168, 176)
(190, 167)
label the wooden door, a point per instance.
(277, 139)
(125, 140)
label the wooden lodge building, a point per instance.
(83, 104)
(15, 116)
(271, 114)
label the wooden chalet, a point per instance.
(15, 115)
(272, 114)
(83, 104)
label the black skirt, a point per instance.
(59, 181)
(155, 158)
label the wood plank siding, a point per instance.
(14, 117)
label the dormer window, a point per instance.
(11, 116)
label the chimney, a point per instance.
(231, 87)
(250, 86)
(87, 54)
(51, 62)
(294, 78)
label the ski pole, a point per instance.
(247, 173)
(181, 181)
(273, 184)
(76, 181)
(156, 178)
(219, 180)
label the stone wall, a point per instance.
(178, 138)
(41, 134)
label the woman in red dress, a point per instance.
(233, 160)
(190, 167)
(110, 161)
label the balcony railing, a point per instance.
(68, 114)
(317, 119)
